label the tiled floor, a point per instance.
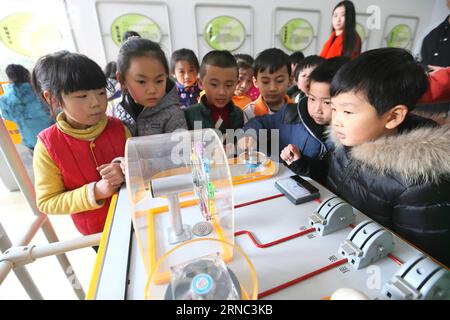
(15, 216)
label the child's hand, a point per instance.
(246, 143)
(112, 172)
(290, 154)
(103, 190)
(122, 166)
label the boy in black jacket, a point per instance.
(391, 165)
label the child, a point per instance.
(114, 85)
(184, 67)
(73, 159)
(302, 124)
(295, 58)
(344, 40)
(245, 81)
(253, 92)
(129, 34)
(20, 104)
(391, 165)
(302, 72)
(218, 76)
(150, 102)
(272, 70)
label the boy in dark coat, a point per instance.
(392, 166)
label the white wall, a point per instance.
(83, 18)
(181, 21)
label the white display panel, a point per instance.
(28, 30)
(399, 31)
(205, 13)
(283, 15)
(154, 15)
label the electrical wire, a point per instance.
(302, 278)
(275, 242)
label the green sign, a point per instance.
(27, 35)
(224, 33)
(135, 22)
(296, 34)
(399, 37)
(361, 32)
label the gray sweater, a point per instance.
(165, 117)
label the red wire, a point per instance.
(258, 200)
(302, 278)
(267, 245)
(396, 260)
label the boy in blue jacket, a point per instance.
(301, 124)
(21, 105)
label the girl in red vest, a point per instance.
(74, 166)
(344, 40)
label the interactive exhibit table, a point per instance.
(194, 224)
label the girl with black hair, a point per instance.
(75, 160)
(344, 40)
(150, 103)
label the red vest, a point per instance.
(77, 161)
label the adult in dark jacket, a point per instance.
(389, 164)
(436, 45)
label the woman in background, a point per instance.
(344, 40)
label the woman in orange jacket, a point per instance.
(344, 40)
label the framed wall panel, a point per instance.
(151, 20)
(227, 27)
(296, 29)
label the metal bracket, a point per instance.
(419, 279)
(333, 214)
(18, 256)
(366, 243)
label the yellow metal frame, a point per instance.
(226, 256)
(93, 285)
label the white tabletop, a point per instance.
(122, 274)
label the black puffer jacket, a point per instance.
(402, 182)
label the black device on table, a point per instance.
(297, 189)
